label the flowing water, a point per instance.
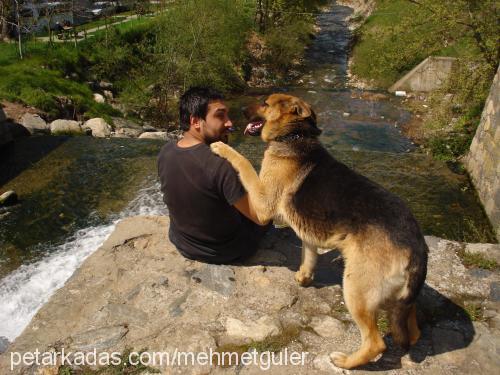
(73, 190)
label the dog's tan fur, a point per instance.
(378, 271)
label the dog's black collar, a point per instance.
(289, 137)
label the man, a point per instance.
(211, 218)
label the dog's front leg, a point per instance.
(305, 274)
(249, 179)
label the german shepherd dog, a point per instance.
(329, 205)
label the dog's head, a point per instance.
(280, 117)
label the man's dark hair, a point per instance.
(194, 102)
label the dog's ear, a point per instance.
(301, 108)
(304, 110)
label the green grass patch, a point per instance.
(474, 311)
(471, 260)
(125, 367)
(273, 344)
(398, 36)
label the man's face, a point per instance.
(216, 125)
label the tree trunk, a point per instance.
(18, 24)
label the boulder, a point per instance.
(326, 326)
(126, 128)
(108, 94)
(244, 332)
(154, 135)
(127, 133)
(99, 98)
(105, 85)
(65, 127)
(8, 198)
(149, 128)
(121, 122)
(34, 123)
(98, 126)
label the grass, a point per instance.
(272, 344)
(476, 260)
(387, 47)
(400, 34)
(123, 368)
(474, 311)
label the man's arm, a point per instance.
(245, 207)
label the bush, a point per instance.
(285, 45)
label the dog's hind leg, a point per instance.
(413, 326)
(305, 274)
(360, 303)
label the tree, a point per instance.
(477, 18)
(5, 16)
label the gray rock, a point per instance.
(326, 326)
(65, 127)
(154, 135)
(323, 362)
(258, 330)
(108, 94)
(149, 128)
(98, 98)
(128, 132)
(218, 278)
(35, 124)
(99, 127)
(487, 250)
(137, 291)
(495, 291)
(4, 344)
(121, 122)
(8, 198)
(105, 85)
(100, 339)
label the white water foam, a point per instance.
(25, 290)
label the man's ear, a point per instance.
(194, 121)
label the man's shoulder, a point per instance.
(201, 153)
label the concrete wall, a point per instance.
(426, 76)
(483, 160)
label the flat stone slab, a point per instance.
(137, 292)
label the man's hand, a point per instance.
(245, 207)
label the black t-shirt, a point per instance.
(200, 189)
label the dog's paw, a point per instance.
(221, 149)
(303, 278)
(339, 359)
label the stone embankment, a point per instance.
(136, 292)
(482, 161)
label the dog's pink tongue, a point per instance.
(253, 128)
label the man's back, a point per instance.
(199, 189)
